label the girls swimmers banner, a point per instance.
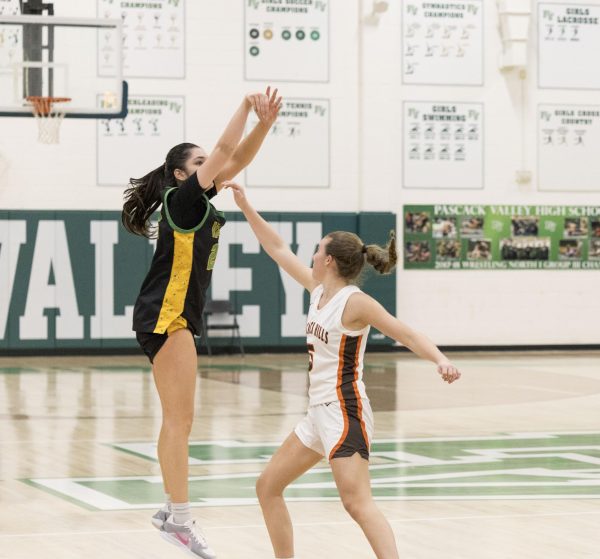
(443, 145)
(568, 43)
(69, 279)
(287, 41)
(442, 42)
(503, 237)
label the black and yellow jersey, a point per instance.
(181, 269)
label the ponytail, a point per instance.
(350, 254)
(142, 199)
(144, 196)
(383, 259)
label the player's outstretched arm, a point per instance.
(267, 108)
(270, 240)
(363, 309)
(227, 143)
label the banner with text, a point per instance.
(300, 134)
(568, 142)
(443, 145)
(69, 279)
(287, 41)
(135, 145)
(568, 37)
(443, 42)
(153, 38)
(502, 237)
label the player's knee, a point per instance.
(354, 506)
(178, 423)
(262, 485)
(265, 488)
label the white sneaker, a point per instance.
(187, 536)
(158, 518)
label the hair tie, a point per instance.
(364, 249)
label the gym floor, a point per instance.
(504, 463)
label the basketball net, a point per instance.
(49, 113)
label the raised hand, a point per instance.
(239, 193)
(266, 106)
(448, 372)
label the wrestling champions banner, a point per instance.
(501, 237)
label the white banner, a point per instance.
(133, 146)
(10, 8)
(442, 43)
(568, 147)
(287, 41)
(568, 46)
(153, 38)
(443, 145)
(296, 151)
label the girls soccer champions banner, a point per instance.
(502, 237)
(287, 41)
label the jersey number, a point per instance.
(311, 356)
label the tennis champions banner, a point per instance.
(503, 237)
(69, 279)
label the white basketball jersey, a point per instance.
(336, 354)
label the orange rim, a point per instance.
(43, 105)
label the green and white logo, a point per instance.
(515, 466)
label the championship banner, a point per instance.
(300, 134)
(153, 38)
(568, 142)
(502, 237)
(568, 40)
(286, 41)
(153, 122)
(443, 145)
(442, 42)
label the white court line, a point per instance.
(309, 524)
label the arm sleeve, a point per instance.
(186, 203)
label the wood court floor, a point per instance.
(503, 464)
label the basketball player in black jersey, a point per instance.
(169, 307)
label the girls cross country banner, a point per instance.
(568, 142)
(69, 279)
(503, 237)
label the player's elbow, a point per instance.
(225, 149)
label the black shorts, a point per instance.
(151, 343)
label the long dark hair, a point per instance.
(350, 254)
(143, 197)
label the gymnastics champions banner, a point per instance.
(502, 237)
(69, 279)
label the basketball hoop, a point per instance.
(48, 112)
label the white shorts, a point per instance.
(336, 432)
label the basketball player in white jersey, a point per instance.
(339, 422)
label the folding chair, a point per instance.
(216, 307)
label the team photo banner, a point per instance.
(501, 237)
